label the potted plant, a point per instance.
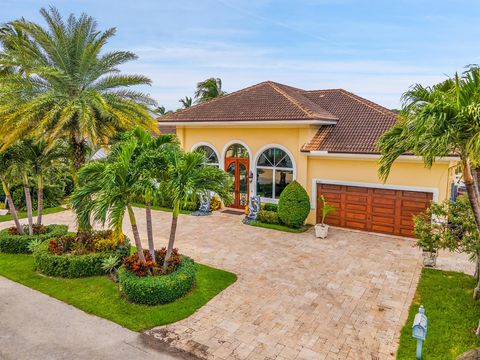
(321, 230)
(429, 234)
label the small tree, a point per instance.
(294, 205)
(5, 162)
(326, 209)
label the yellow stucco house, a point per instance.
(269, 134)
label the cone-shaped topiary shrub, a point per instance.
(294, 205)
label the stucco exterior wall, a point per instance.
(308, 168)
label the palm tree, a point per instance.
(63, 86)
(188, 176)
(5, 163)
(20, 168)
(42, 160)
(151, 159)
(161, 110)
(107, 190)
(208, 90)
(186, 102)
(440, 121)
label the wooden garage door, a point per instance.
(373, 209)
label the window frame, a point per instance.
(204, 144)
(273, 199)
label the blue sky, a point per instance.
(375, 49)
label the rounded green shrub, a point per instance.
(73, 266)
(293, 205)
(162, 289)
(18, 244)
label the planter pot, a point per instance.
(3, 212)
(321, 231)
(429, 258)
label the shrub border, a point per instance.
(18, 244)
(154, 290)
(73, 266)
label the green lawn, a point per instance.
(100, 296)
(280, 227)
(23, 215)
(452, 315)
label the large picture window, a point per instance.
(274, 173)
(211, 157)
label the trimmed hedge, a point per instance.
(293, 205)
(73, 266)
(154, 290)
(268, 217)
(270, 207)
(18, 244)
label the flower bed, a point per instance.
(17, 244)
(80, 255)
(159, 289)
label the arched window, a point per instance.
(211, 157)
(274, 173)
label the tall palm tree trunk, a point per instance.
(11, 207)
(78, 156)
(28, 200)
(148, 216)
(474, 197)
(39, 199)
(136, 235)
(173, 232)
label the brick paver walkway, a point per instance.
(297, 297)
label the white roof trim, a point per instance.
(263, 123)
(354, 156)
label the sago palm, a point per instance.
(107, 189)
(58, 82)
(189, 176)
(208, 90)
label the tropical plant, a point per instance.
(186, 102)
(188, 176)
(41, 160)
(326, 208)
(110, 264)
(5, 163)
(208, 90)
(438, 121)
(32, 245)
(107, 189)
(57, 83)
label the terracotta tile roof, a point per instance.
(360, 123)
(267, 101)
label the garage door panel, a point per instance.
(356, 207)
(383, 210)
(356, 216)
(383, 220)
(383, 192)
(374, 209)
(356, 225)
(376, 200)
(383, 228)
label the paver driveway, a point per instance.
(297, 297)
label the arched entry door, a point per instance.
(237, 165)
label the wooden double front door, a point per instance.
(239, 170)
(373, 209)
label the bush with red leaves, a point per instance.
(149, 267)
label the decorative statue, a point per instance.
(254, 207)
(204, 208)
